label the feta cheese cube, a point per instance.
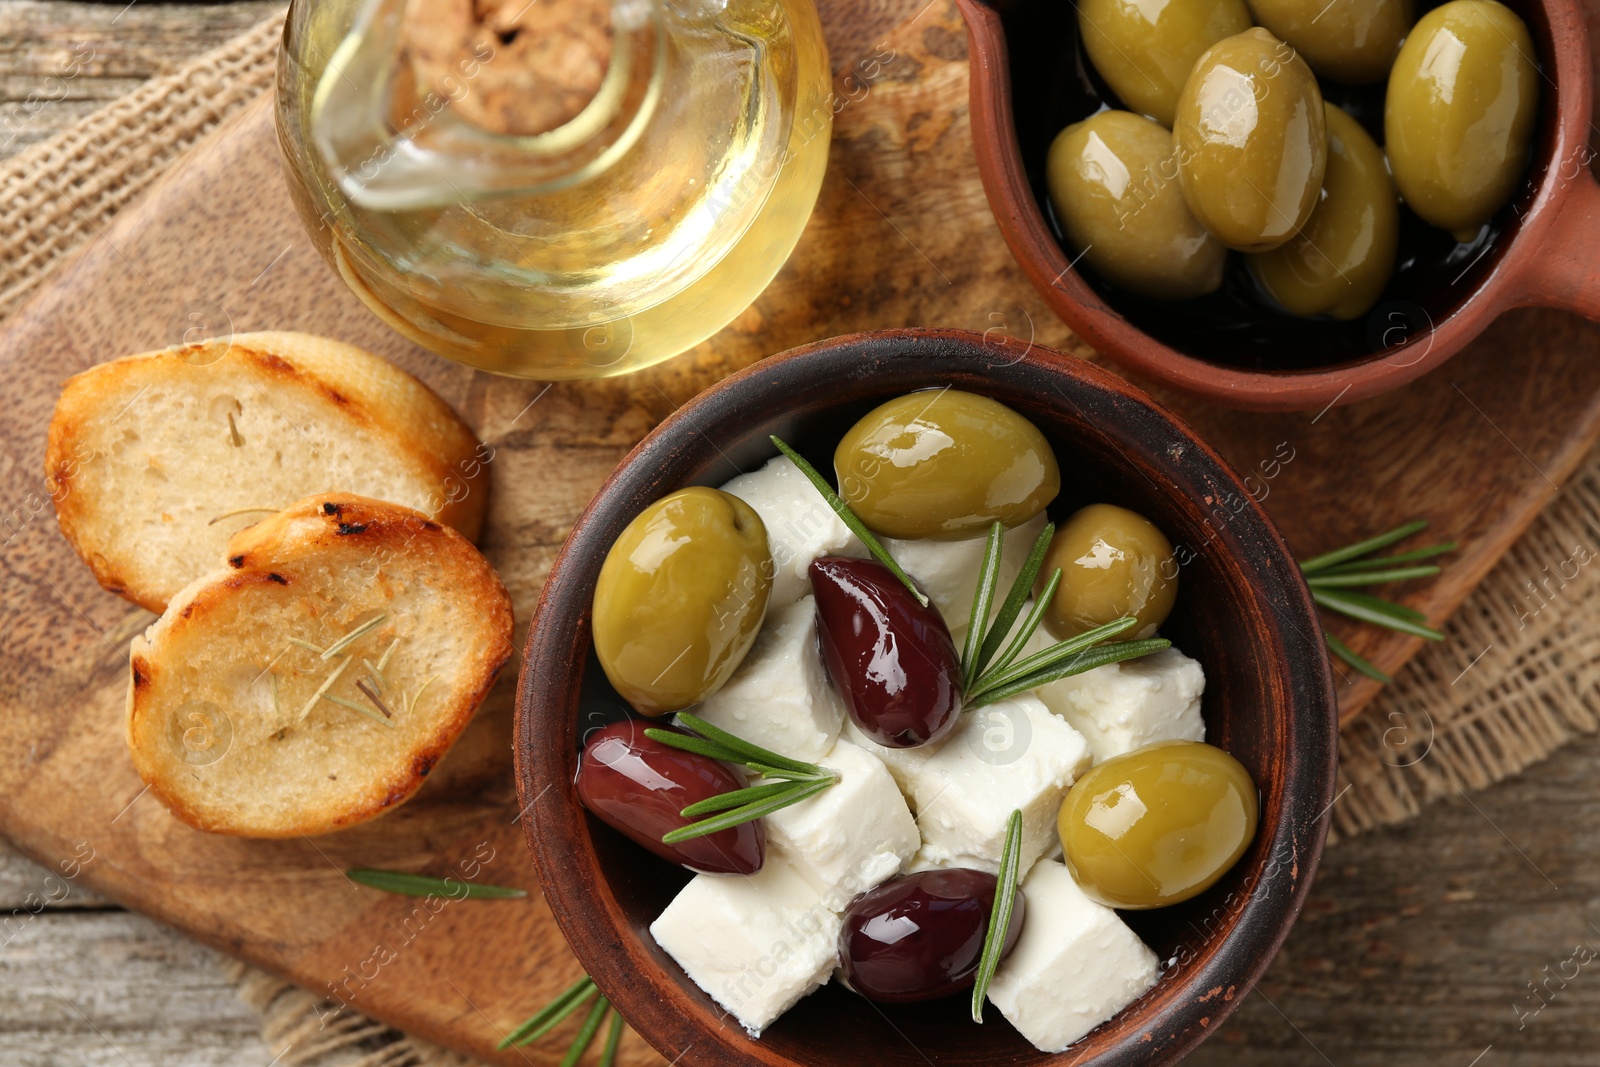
(851, 836)
(780, 697)
(800, 525)
(1124, 706)
(1076, 964)
(1007, 756)
(755, 944)
(948, 570)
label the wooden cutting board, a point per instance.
(902, 236)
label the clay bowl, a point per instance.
(1242, 610)
(1030, 79)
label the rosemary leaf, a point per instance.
(1029, 625)
(689, 743)
(322, 690)
(1359, 662)
(420, 885)
(1087, 660)
(353, 636)
(585, 1036)
(307, 645)
(746, 750)
(1391, 561)
(850, 519)
(999, 915)
(550, 1016)
(1356, 579)
(792, 793)
(1372, 609)
(1054, 654)
(360, 709)
(982, 597)
(608, 1058)
(1007, 615)
(734, 798)
(1362, 548)
(384, 660)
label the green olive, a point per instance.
(1349, 41)
(1342, 257)
(1114, 186)
(1157, 825)
(1251, 141)
(1145, 50)
(680, 598)
(1114, 563)
(945, 464)
(1459, 114)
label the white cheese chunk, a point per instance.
(780, 697)
(1076, 964)
(948, 571)
(851, 836)
(1124, 706)
(1007, 756)
(800, 525)
(755, 944)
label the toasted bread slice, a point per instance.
(267, 702)
(150, 457)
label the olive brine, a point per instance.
(1228, 142)
(906, 730)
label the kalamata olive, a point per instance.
(1350, 41)
(891, 659)
(1145, 51)
(921, 936)
(1251, 141)
(1340, 261)
(1157, 825)
(1459, 113)
(1114, 563)
(1114, 186)
(637, 786)
(944, 464)
(680, 599)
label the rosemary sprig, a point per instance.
(850, 519)
(988, 677)
(1333, 575)
(999, 915)
(552, 1014)
(795, 780)
(421, 885)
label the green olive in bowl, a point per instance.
(1158, 825)
(1113, 182)
(1145, 51)
(944, 464)
(1349, 41)
(1251, 141)
(1114, 563)
(1459, 114)
(680, 598)
(1340, 261)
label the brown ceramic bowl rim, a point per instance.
(604, 937)
(1544, 263)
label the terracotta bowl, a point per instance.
(1029, 80)
(1242, 610)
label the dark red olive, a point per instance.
(891, 659)
(921, 937)
(638, 785)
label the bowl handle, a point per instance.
(1566, 272)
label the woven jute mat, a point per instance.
(1514, 680)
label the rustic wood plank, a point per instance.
(61, 59)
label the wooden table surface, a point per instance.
(1420, 946)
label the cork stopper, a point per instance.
(516, 67)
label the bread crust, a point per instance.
(347, 386)
(273, 558)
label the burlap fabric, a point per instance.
(1515, 679)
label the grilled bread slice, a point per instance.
(315, 680)
(151, 457)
